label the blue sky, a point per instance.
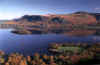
(10, 9)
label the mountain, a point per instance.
(96, 15)
(74, 18)
(80, 18)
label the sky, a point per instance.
(10, 9)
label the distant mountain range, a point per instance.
(74, 18)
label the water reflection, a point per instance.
(80, 32)
(70, 32)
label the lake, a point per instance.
(29, 44)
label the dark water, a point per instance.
(28, 44)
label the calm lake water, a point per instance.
(28, 44)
